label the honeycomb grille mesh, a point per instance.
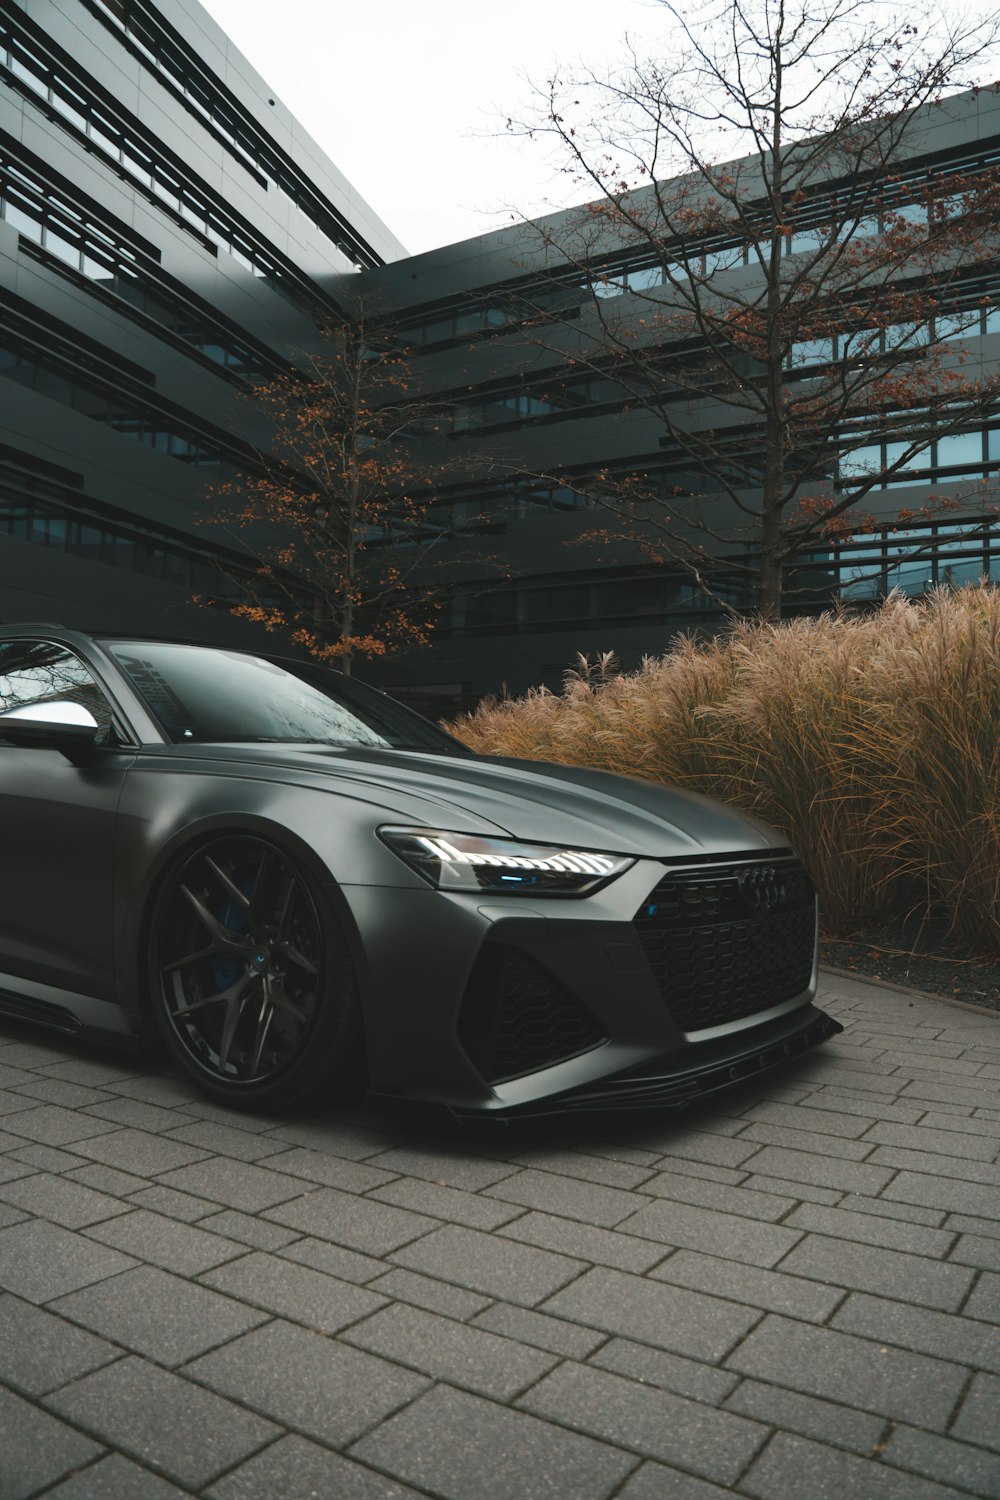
(517, 1017)
(729, 940)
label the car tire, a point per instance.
(251, 984)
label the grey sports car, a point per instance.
(305, 888)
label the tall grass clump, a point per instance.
(872, 742)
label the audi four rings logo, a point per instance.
(763, 889)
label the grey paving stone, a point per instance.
(979, 1418)
(654, 1482)
(483, 1362)
(352, 1142)
(920, 1328)
(225, 1140)
(845, 1076)
(687, 1377)
(116, 1478)
(47, 1158)
(296, 1469)
(806, 1117)
(137, 1151)
(805, 1192)
(56, 1091)
(935, 1163)
(949, 1092)
(539, 1329)
(448, 1167)
(945, 1459)
(67, 1203)
(933, 1191)
(977, 1250)
(702, 1171)
(175, 1246)
(832, 1475)
(32, 1054)
(770, 1290)
(652, 1313)
(854, 1371)
(161, 1316)
(605, 1170)
(984, 1303)
(138, 1114)
(11, 1104)
(461, 1447)
(174, 1426)
(11, 1170)
(36, 1450)
(840, 1104)
(41, 1351)
(922, 1137)
(12, 1078)
(871, 1268)
(868, 1229)
(359, 1223)
(588, 1202)
(107, 1180)
(487, 1263)
(92, 1071)
(200, 1108)
(307, 1381)
(232, 1225)
(729, 1200)
(808, 1415)
(819, 1170)
(711, 1150)
(971, 1224)
(605, 1247)
(963, 1125)
(172, 1204)
(332, 1171)
(292, 1291)
(686, 1226)
(763, 1134)
(11, 1215)
(453, 1205)
(54, 1126)
(334, 1260)
(424, 1291)
(714, 1444)
(170, 1090)
(236, 1184)
(885, 1208)
(39, 1260)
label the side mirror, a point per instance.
(64, 726)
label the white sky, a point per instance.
(409, 97)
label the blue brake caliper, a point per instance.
(226, 971)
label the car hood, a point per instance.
(531, 800)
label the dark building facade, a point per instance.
(167, 234)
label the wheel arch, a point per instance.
(135, 941)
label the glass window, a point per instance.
(34, 672)
(861, 462)
(960, 448)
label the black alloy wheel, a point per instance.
(252, 987)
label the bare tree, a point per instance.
(773, 268)
(341, 509)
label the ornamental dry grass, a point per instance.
(873, 743)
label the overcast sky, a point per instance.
(409, 97)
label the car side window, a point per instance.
(35, 673)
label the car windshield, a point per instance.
(206, 695)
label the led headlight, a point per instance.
(470, 862)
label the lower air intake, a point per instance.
(517, 1018)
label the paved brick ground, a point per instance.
(792, 1296)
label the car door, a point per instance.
(57, 831)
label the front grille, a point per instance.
(516, 1017)
(725, 941)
